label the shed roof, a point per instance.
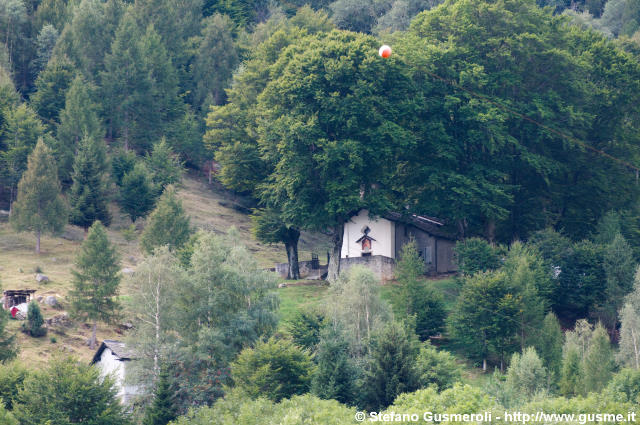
(14, 292)
(118, 348)
(428, 224)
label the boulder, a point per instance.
(39, 298)
(282, 285)
(61, 319)
(51, 300)
(127, 271)
(41, 278)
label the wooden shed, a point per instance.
(13, 297)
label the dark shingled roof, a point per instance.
(117, 347)
(430, 225)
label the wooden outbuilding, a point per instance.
(13, 297)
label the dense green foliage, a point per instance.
(68, 392)
(7, 347)
(35, 320)
(40, 207)
(167, 225)
(96, 280)
(275, 368)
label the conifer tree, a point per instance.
(87, 197)
(392, 367)
(78, 119)
(40, 207)
(598, 362)
(419, 299)
(167, 225)
(629, 353)
(7, 347)
(96, 280)
(164, 164)
(572, 372)
(548, 342)
(51, 87)
(137, 194)
(162, 410)
(335, 374)
(35, 320)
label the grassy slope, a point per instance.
(209, 208)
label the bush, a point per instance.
(275, 369)
(526, 375)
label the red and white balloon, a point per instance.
(385, 51)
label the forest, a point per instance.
(515, 121)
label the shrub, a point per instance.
(475, 255)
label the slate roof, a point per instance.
(117, 347)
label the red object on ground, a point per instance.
(385, 51)
(14, 310)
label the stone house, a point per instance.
(113, 358)
(377, 242)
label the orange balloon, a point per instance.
(385, 51)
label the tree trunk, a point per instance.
(490, 230)
(291, 245)
(92, 341)
(38, 241)
(334, 261)
(484, 365)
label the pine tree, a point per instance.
(40, 206)
(137, 194)
(96, 280)
(78, 119)
(88, 197)
(35, 320)
(162, 410)
(167, 225)
(51, 90)
(7, 347)
(598, 361)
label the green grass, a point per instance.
(296, 298)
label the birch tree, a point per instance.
(355, 305)
(154, 285)
(629, 353)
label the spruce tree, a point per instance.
(78, 119)
(88, 197)
(392, 366)
(96, 280)
(167, 225)
(162, 410)
(35, 320)
(137, 194)
(164, 164)
(40, 207)
(7, 346)
(335, 374)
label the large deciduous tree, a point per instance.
(333, 124)
(96, 279)
(480, 66)
(40, 207)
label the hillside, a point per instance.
(208, 206)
